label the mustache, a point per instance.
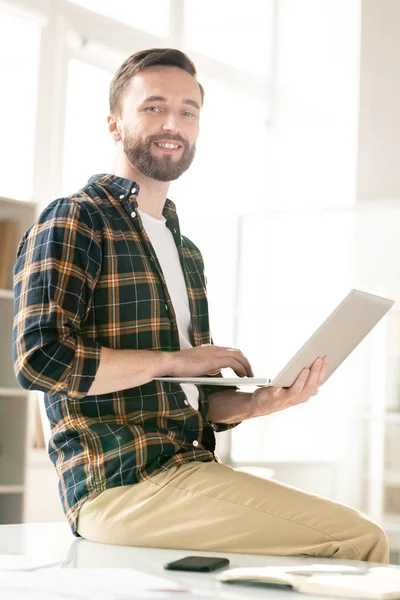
(165, 137)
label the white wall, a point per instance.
(378, 173)
(315, 111)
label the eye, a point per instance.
(187, 113)
(153, 109)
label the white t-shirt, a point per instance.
(168, 257)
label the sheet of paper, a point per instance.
(15, 562)
(86, 584)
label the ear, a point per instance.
(114, 127)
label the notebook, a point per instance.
(378, 583)
(336, 337)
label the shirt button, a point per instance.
(175, 231)
(186, 402)
(121, 197)
(195, 443)
(134, 192)
(133, 214)
(166, 306)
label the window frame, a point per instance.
(68, 31)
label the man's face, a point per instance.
(160, 117)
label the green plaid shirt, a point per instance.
(87, 276)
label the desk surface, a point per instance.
(49, 542)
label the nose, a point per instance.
(170, 123)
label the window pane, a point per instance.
(315, 126)
(232, 31)
(151, 16)
(227, 179)
(230, 170)
(19, 59)
(88, 147)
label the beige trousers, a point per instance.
(212, 507)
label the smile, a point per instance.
(168, 146)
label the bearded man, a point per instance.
(109, 295)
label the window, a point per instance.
(229, 171)
(88, 147)
(19, 59)
(282, 301)
(151, 16)
(316, 103)
(231, 31)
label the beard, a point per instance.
(165, 168)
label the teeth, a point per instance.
(169, 146)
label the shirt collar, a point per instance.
(125, 189)
(119, 187)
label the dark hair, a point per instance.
(168, 57)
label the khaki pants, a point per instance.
(212, 507)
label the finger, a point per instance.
(299, 384)
(240, 357)
(224, 357)
(245, 362)
(322, 373)
(229, 362)
(311, 385)
(237, 366)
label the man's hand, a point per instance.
(206, 360)
(267, 400)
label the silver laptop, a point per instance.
(336, 338)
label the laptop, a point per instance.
(336, 337)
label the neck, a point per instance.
(152, 193)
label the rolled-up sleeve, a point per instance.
(58, 264)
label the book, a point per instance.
(376, 583)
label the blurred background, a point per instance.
(293, 198)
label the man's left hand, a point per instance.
(267, 400)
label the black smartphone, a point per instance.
(197, 563)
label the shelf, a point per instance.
(391, 526)
(391, 519)
(15, 402)
(39, 457)
(388, 479)
(12, 489)
(12, 392)
(6, 294)
(391, 481)
(392, 417)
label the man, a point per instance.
(110, 295)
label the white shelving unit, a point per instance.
(14, 401)
(378, 264)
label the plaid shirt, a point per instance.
(87, 276)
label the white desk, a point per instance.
(49, 542)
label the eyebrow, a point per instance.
(162, 99)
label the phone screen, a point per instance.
(197, 563)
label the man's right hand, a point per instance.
(206, 360)
(123, 369)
